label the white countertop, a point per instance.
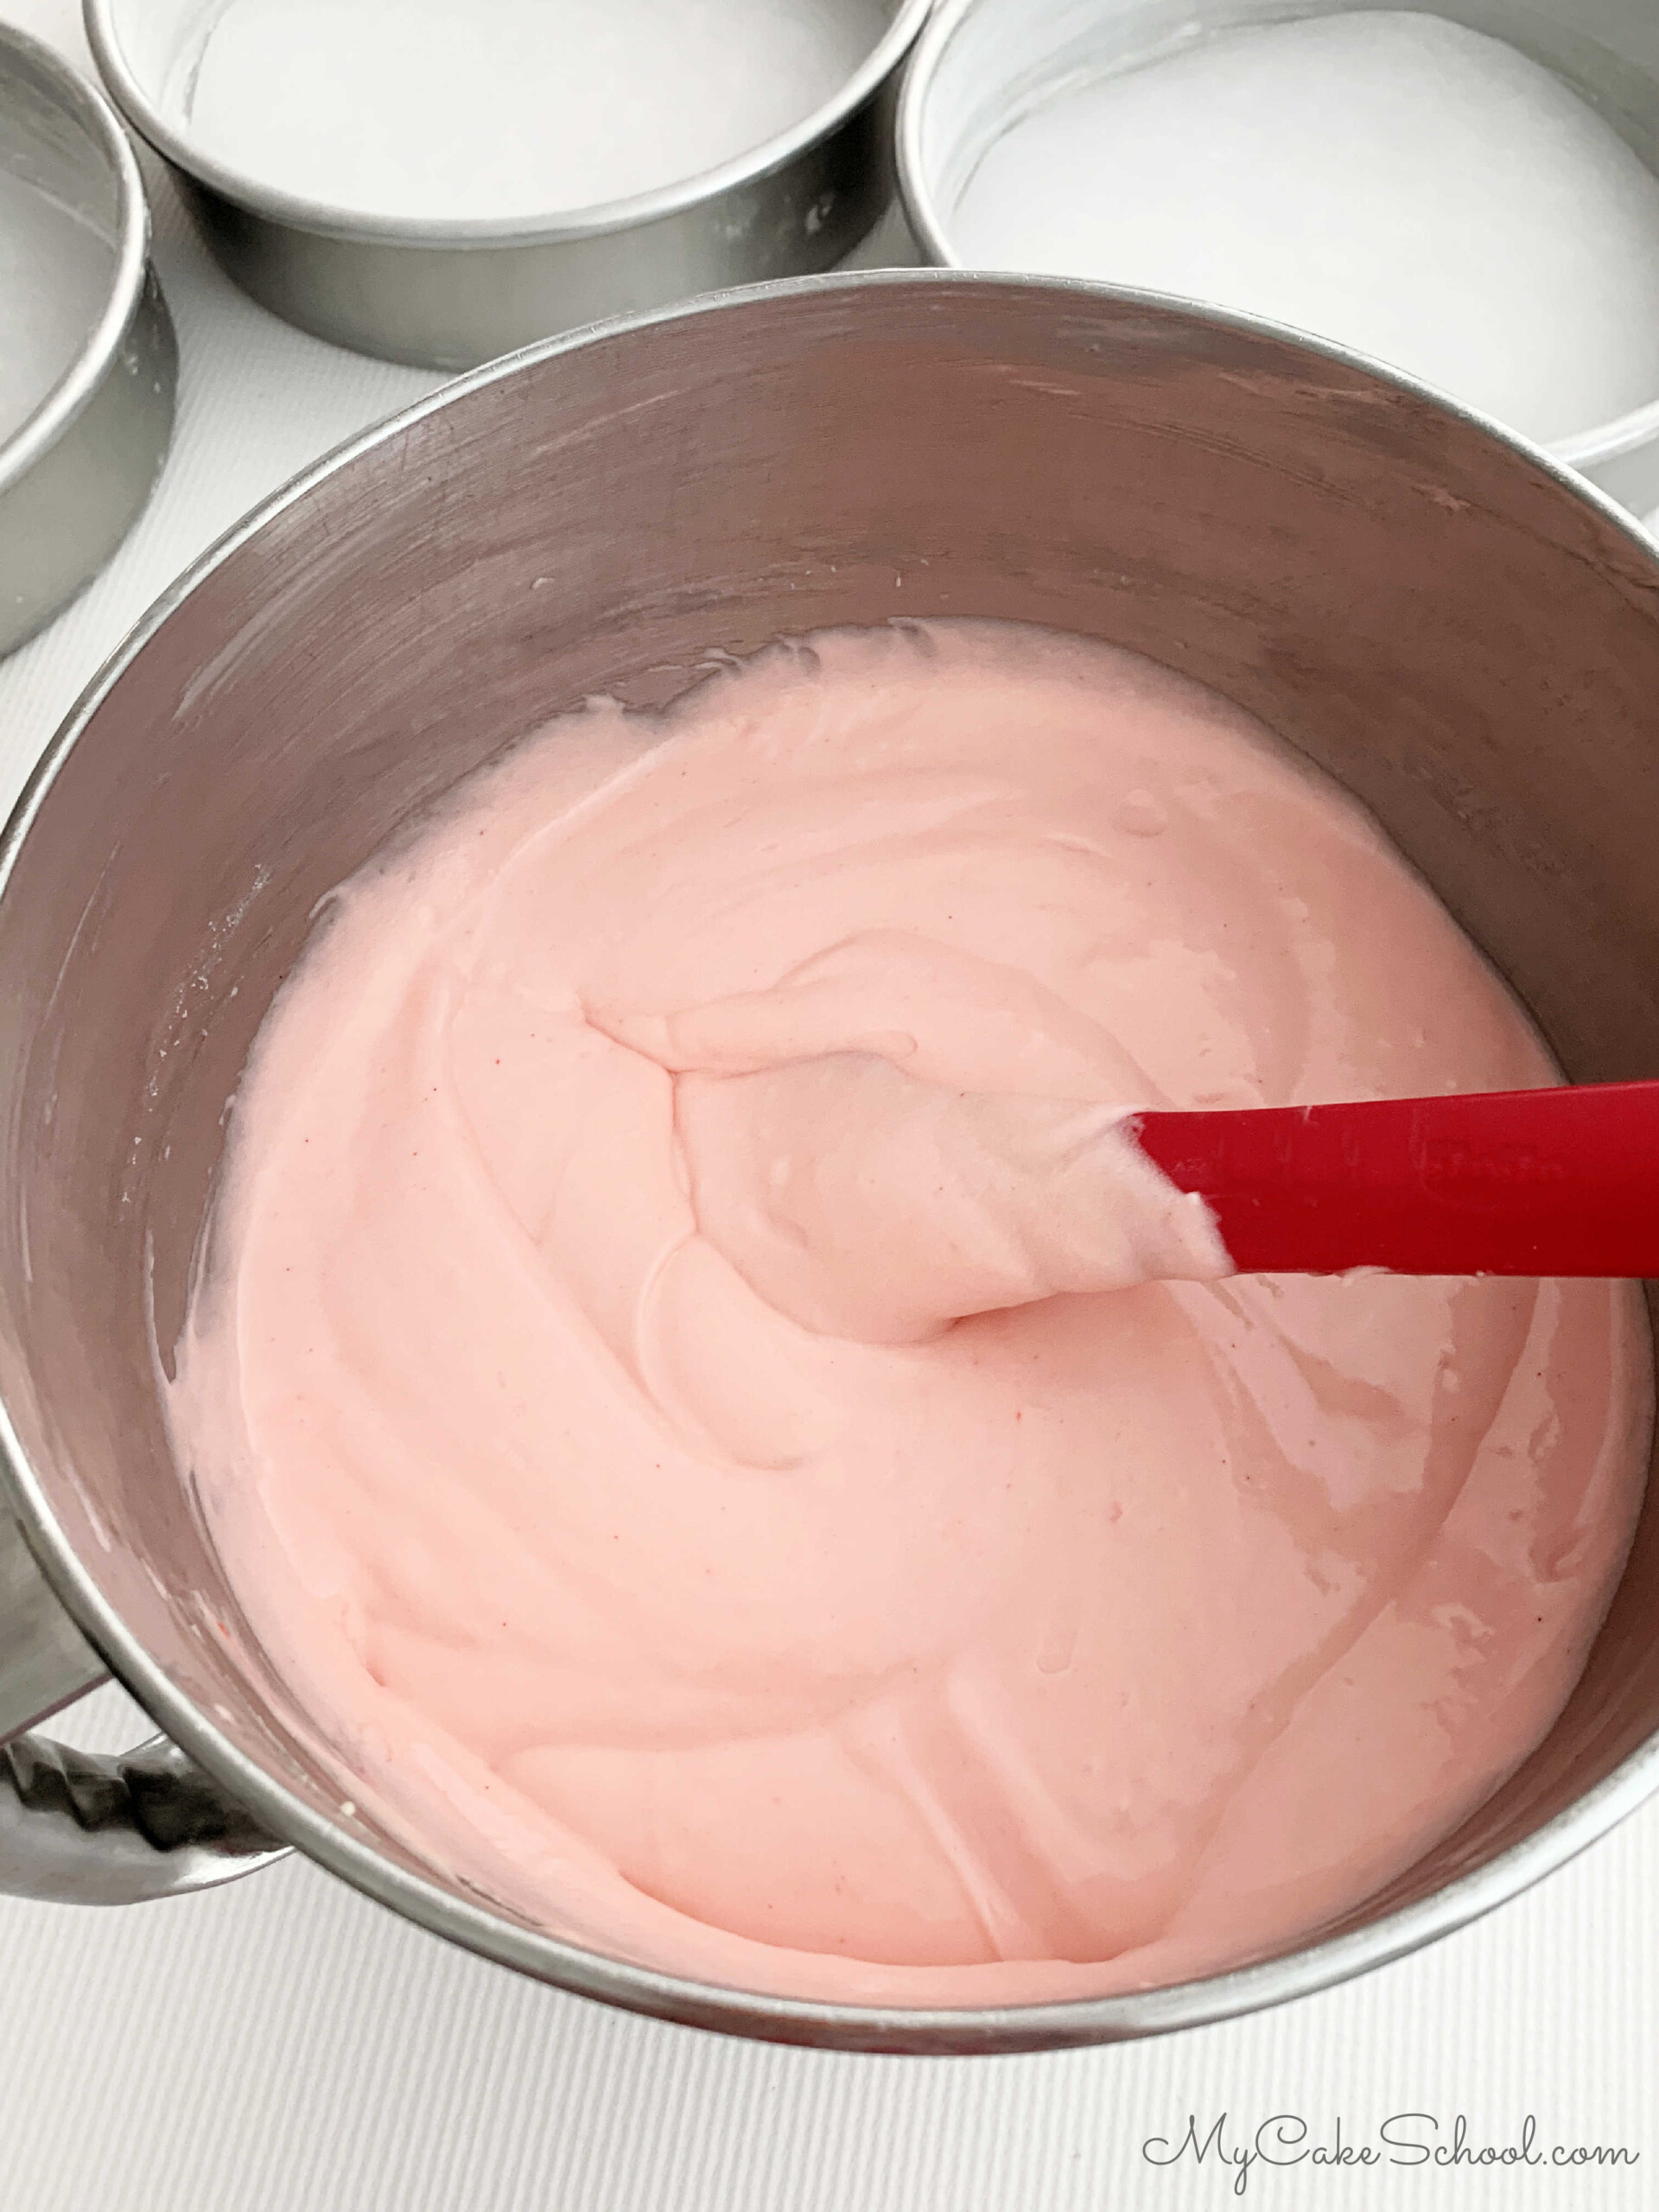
(283, 2046)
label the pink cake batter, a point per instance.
(1082, 1646)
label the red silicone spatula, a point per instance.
(1502, 1183)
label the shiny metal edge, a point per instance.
(103, 347)
(70, 512)
(915, 189)
(939, 2032)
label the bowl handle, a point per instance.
(80, 1829)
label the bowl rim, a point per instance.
(100, 348)
(1591, 448)
(102, 19)
(943, 2031)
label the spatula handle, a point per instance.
(1561, 1182)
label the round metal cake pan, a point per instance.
(77, 472)
(981, 66)
(452, 293)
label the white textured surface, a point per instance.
(283, 2046)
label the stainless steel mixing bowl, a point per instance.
(1462, 633)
